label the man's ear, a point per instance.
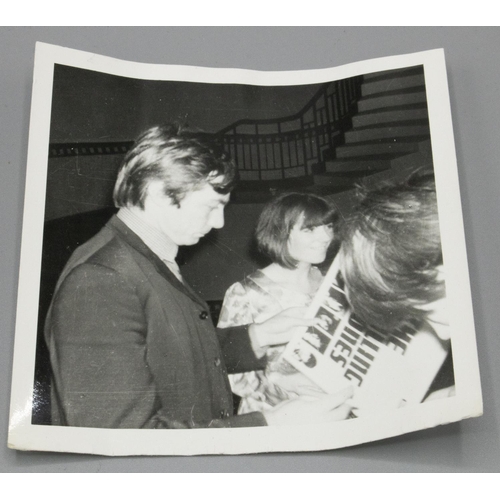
(156, 195)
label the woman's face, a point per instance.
(309, 245)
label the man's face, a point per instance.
(198, 213)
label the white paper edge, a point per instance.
(468, 400)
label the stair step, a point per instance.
(387, 116)
(382, 75)
(391, 99)
(391, 84)
(394, 147)
(386, 132)
(352, 165)
(323, 180)
(325, 189)
(342, 180)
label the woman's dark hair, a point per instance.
(183, 160)
(390, 252)
(279, 217)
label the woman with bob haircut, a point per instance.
(294, 232)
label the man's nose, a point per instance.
(217, 219)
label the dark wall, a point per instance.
(92, 106)
(80, 184)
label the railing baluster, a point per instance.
(282, 151)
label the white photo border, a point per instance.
(468, 400)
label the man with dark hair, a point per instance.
(131, 344)
(391, 263)
(390, 257)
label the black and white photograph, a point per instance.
(239, 254)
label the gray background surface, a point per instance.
(474, 76)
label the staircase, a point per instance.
(349, 129)
(389, 130)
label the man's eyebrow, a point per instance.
(218, 203)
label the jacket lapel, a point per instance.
(130, 238)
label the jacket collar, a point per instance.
(131, 238)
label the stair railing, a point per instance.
(268, 149)
(292, 146)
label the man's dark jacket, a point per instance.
(133, 347)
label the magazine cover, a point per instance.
(227, 261)
(387, 369)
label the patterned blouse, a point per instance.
(254, 300)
